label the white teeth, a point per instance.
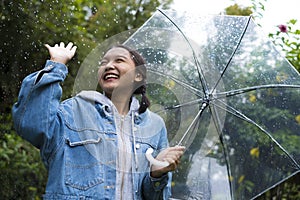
(110, 76)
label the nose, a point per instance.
(109, 66)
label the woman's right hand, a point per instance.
(171, 155)
(61, 53)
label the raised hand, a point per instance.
(61, 53)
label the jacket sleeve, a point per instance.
(35, 112)
(158, 188)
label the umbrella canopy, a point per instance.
(228, 95)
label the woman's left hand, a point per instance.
(61, 53)
(172, 155)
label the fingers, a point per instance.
(172, 155)
(73, 49)
(47, 46)
(70, 46)
(174, 152)
(61, 44)
(61, 53)
(177, 148)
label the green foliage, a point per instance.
(22, 174)
(258, 7)
(287, 39)
(288, 190)
(237, 10)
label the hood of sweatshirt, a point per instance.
(95, 96)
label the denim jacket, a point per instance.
(78, 139)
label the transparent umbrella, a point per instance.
(229, 96)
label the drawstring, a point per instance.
(134, 143)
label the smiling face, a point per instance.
(114, 70)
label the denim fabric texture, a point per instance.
(78, 140)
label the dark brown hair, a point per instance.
(140, 63)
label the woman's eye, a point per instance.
(101, 63)
(118, 60)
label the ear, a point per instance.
(138, 77)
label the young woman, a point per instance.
(94, 144)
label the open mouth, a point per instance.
(110, 76)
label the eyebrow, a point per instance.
(117, 56)
(122, 56)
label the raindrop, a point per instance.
(115, 20)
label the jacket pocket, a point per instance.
(83, 169)
(142, 145)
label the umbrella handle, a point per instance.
(153, 161)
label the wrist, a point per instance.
(59, 60)
(157, 173)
